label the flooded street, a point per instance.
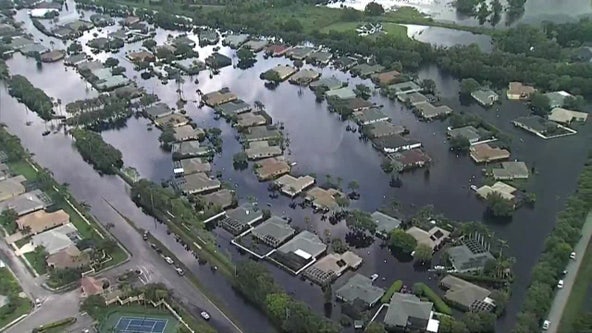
(319, 144)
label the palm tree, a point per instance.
(259, 106)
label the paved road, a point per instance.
(562, 295)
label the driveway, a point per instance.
(562, 295)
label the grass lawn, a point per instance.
(9, 286)
(39, 264)
(579, 292)
(23, 168)
(392, 29)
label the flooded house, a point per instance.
(484, 153)
(292, 186)
(262, 149)
(271, 168)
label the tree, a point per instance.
(460, 144)
(276, 304)
(499, 206)
(375, 327)
(574, 103)
(353, 186)
(93, 305)
(362, 91)
(149, 44)
(449, 324)
(373, 9)
(466, 7)
(423, 253)
(8, 219)
(402, 241)
(111, 62)
(428, 85)
(467, 86)
(246, 58)
(540, 104)
(240, 161)
(479, 322)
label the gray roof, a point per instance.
(190, 148)
(384, 128)
(404, 87)
(468, 132)
(196, 183)
(370, 115)
(192, 165)
(245, 214)
(31, 48)
(341, 93)
(331, 82)
(276, 228)
(406, 308)
(359, 287)
(158, 110)
(394, 141)
(26, 202)
(305, 241)
(415, 98)
(222, 198)
(463, 292)
(511, 170)
(485, 96)
(258, 133)
(384, 223)
(235, 40)
(557, 98)
(57, 239)
(463, 259)
(234, 107)
(535, 123)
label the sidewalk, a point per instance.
(562, 295)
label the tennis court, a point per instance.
(127, 324)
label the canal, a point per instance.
(319, 144)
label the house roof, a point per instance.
(233, 107)
(271, 167)
(276, 228)
(384, 223)
(306, 245)
(384, 128)
(503, 189)
(57, 239)
(484, 96)
(404, 87)
(289, 182)
(257, 133)
(464, 259)
(371, 115)
(404, 308)
(245, 214)
(431, 238)
(197, 182)
(359, 287)
(235, 40)
(520, 89)
(483, 152)
(463, 292)
(248, 119)
(216, 98)
(409, 158)
(68, 257)
(385, 78)
(193, 165)
(511, 170)
(262, 149)
(91, 286)
(469, 132)
(222, 198)
(341, 93)
(565, 116)
(428, 110)
(393, 141)
(12, 187)
(557, 98)
(330, 82)
(187, 132)
(323, 198)
(26, 202)
(190, 148)
(41, 220)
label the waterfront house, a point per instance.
(188, 132)
(504, 190)
(217, 61)
(510, 170)
(394, 143)
(370, 116)
(354, 104)
(517, 91)
(12, 187)
(402, 88)
(75, 59)
(206, 37)
(184, 40)
(53, 56)
(26, 203)
(466, 295)
(382, 128)
(432, 238)
(301, 250)
(157, 110)
(40, 221)
(385, 78)
(222, 198)
(235, 40)
(261, 133)
(250, 119)
(141, 56)
(341, 93)
(346, 62)
(299, 52)
(485, 97)
(470, 256)
(283, 71)
(172, 120)
(359, 288)
(557, 98)
(187, 149)
(292, 186)
(320, 57)
(542, 127)
(428, 111)
(273, 232)
(241, 218)
(190, 66)
(409, 159)
(304, 77)
(131, 20)
(190, 166)
(484, 153)
(328, 83)
(468, 132)
(384, 224)
(412, 99)
(53, 240)
(332, 266)
(323, 199)
(566, 117)
(276, 50)
(232, 108)
(196, 183)
(271, 168)
(366, 70)
(262, 149)
(408, 313)
(219, 97)
(256, 45)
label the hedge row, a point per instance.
(421, 289)
(395, 287)
(55, 324)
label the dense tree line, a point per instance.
(570, 34)
(98, 112)
(256, 284)
(555, 256)
(34, 98)
(102, 156)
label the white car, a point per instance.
(180, 271)
(373, 277)
(169, 260)
(560, 284)
(546, 325)
(572, 256)
(205, 315)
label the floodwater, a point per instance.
(535, 11)
(320, 145)
(445, 37)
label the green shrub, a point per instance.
(421, 289)
(395, 287)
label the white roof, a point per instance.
(302, 254)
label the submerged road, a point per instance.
(562, 295)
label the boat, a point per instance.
(45, 133)
(28, 123)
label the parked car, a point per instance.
(169, 260)
(145, 235)
(205, 315)
(560, 284)
(572, 256)
(546, 325)
(180, 271)
(373, 277)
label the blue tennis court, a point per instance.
(140, 325)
